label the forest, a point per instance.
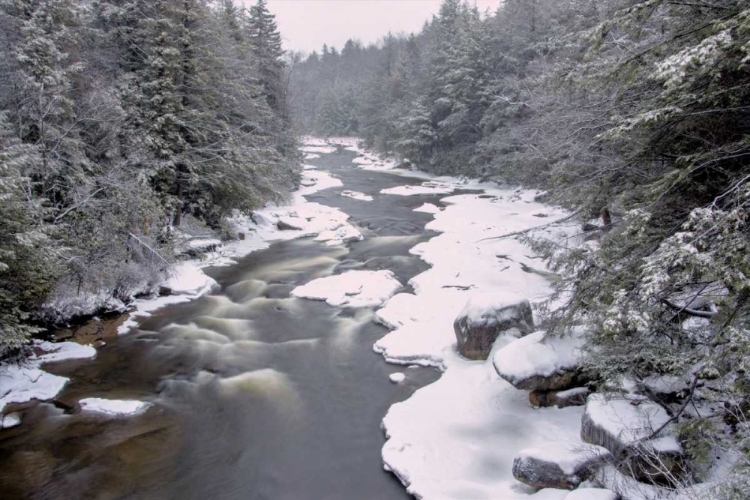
(634, 114)
(117, 119)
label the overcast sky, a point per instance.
(308, 24)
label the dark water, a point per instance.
(256, 395)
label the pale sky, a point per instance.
(308, 24)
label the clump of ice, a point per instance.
(397, 377)
(356, 195)
(351, 289)
(114, 407)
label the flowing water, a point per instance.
(256, 395)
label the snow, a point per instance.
(591, 494)
(202, 243)
(457, 437)
(189, 279)
(482, 307)
(357, 195)
(569, 456)
(62, 351)
(397, 377)
(351, 289)
(24, 382)
(427, 187)
(114, 407)
(311, 156)
(428, 208)
(535, 355)
(318, 149)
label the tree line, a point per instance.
(117, 118)
(635, 114)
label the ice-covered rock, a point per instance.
(397, 377)
(487, 316)
(558, 465)
(562, 399)
(592, 494)
(351, 289)
(540, 363)
(624, 426)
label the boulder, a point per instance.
(558, 465)
(592, 494)
(241, 236)
(562, 399)
(540, 363)
(484, 318)
(624, 424)
(285, 226)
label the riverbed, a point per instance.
(255, 394)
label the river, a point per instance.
(255, 395)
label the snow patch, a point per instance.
(25, 382)
(428, 208)
(114, 407)
(397, 377)
(351, 289)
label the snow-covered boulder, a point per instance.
(540, 363)
(487, 316)
(592, 494)
(558, 465)
(562, 399)
(624, 426)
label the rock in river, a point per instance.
(484, 318)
